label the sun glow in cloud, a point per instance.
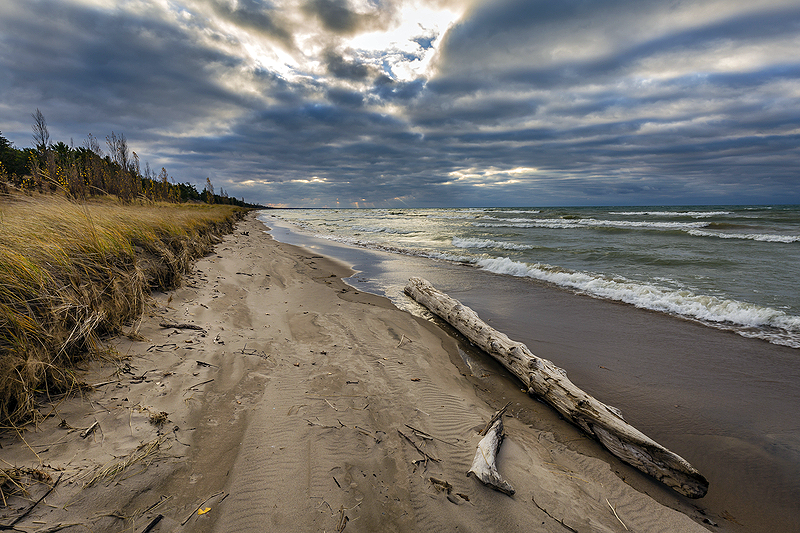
(315, 179)
(490, 176)
(400, 39)
(409, 46)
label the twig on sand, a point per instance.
(175, 325)
(414, 444)
(425, 435)
(342, 520)
(198, 384)
(102, 383)
(201, 505)
(402, 338)
(615, 514)
(163, 347)
(152, 524)
(258, 353)
(154, 506)
(26, 513)
(542, 509)
(89, 430)
(59, 527)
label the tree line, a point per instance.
(88, 170)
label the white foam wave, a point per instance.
(710, 309)
(455, 217)
(381, 229)
(488, 243)
(418, 252)
(694, 214)
(763, 237)
(558, 223)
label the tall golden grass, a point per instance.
(71, 273)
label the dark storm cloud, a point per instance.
(86, 68)
(499, 23)
(337, 16)
(388, 89)
(255, 15)
(346, 69)
(345, 97)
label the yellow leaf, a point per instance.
(203, 511)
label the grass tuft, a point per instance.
(72, 273)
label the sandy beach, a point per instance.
(303, 404)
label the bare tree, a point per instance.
(41, 136)
(118, 148)
(91, 143)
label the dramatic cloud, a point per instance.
(408, 102)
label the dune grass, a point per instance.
(72, 273)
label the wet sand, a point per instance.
(295, 409)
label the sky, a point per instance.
(423, 103)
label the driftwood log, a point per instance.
(484, 465)
(544, 379)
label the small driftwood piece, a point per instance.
(544, 379)
(153, 524)
(484, 465)
(175, 325)
(88, 431)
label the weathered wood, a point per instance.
(484, 465)
(549, 382)
(175, 325)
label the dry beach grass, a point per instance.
(73, 272)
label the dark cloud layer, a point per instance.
(257, 16)
(520, 102)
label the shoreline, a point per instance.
(288, 409)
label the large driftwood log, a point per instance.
(544, 379)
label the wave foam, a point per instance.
(763, 237)
(381, 229)
(372, 245)
(559, 223)
(679, 302)
(693, 214)
(488, 243)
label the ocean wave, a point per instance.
(763, 237)
(693, 214)
(455, 217)
(382, 229)
(417, 252)
(560, 223)
(707, 309)
(518, 211)
(488, 243)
